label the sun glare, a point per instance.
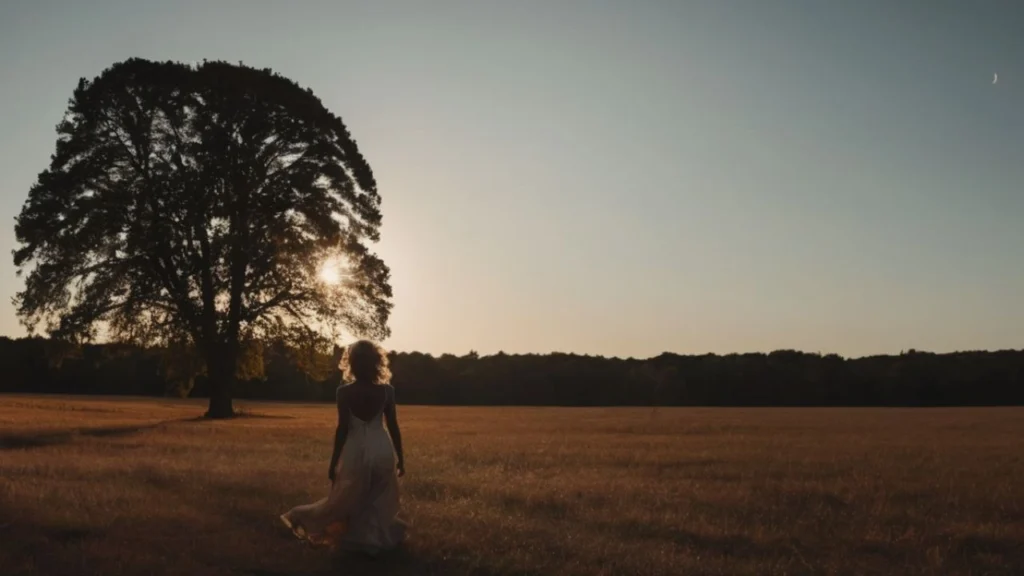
(330, 273)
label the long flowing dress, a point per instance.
(361, 512)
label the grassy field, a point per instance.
(143, 487)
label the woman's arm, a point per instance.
(391, 415)
(339, 433)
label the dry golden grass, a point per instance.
(123, 486)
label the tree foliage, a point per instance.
(198, 203)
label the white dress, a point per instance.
(361, 511)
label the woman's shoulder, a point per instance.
(340, 391)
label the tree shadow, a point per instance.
(967, 551)
(236, 531)
(58, 437)
(243, 414)
(259, 511)
(23, 542)
(397, 563)
(723, 545)
(781, 551)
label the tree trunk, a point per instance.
(220, 369)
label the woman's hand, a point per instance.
(401, 468)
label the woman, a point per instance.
(361, 511)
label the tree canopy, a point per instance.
(199, 204)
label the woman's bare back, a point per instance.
(367, 402)
(364, 401)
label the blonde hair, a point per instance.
(365, 361)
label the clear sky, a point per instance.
(625, 178)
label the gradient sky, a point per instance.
(625, 178)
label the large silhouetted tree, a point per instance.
(200, 202)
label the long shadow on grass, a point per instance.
(728, 545)
(402, 562)
(256, 507)
(26, 544)
(723, 545)
(966, 552)
(236, 531)
(58, 437)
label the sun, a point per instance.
(330, 273)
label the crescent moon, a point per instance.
(995, 78)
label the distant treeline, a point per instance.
(782, 378)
